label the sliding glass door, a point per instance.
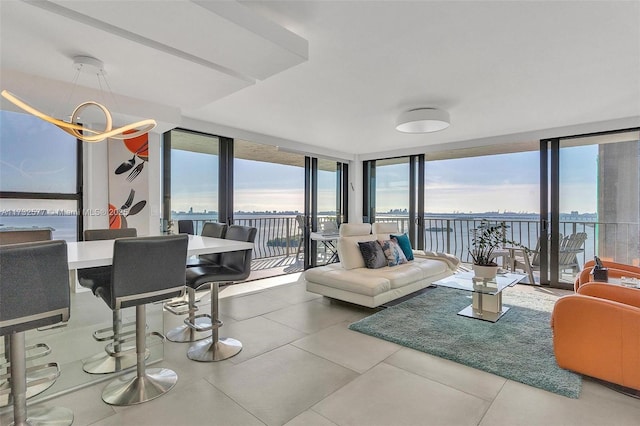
(285, 195)
(594, 206)
(394, 192)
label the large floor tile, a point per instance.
(313, 316)
(293, 293)
(466, 379)
(258, 335)
(350, 349)
(251, 305)
(387, 395)
(279, 385)
(198, 404)
(519, 404)
(310, 418)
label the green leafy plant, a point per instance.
(486, 239)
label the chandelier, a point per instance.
(73, 127)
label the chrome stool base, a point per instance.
(208, 351)
(102, 363)
(131, 389)
(184, 334)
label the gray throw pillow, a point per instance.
(372, 254)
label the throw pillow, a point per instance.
(372, 254)
(393, 252)
(405, 245)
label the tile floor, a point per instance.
(301, 366)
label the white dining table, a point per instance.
(89, 254)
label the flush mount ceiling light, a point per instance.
(93, 65)
(423, 120)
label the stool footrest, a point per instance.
(206, 326)
(129, 350)
(42, 348)
(180, 308)
(106, 333)
(42, 378)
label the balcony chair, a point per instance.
(37, 350)
(595, 333)
(570, 246)
(234, 266)
(185, 227)
(615, 270)
(34, 292)
(145, 270)
(103, 362)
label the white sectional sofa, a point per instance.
(351, 281)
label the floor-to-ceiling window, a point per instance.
(214, 178)
(192, 177)
(269, 194)
(594, 201)
(465, 187)
(394, 192)
(40, 177)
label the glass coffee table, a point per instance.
(487, 293)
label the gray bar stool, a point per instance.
(145, 270)
(36, 383)
(183, 333)
(234, 266)
(34, 292)
(104, 362)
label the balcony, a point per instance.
(276, 246)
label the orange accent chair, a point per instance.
(596, 332)
(616, 270)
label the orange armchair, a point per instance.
(596, 332)
(616, 270)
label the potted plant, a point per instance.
(486, 239)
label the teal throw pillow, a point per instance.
(405, 245)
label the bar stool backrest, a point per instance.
(214, 230)
(185, 227)
(147, 269)
(34, 285)
(24, 236)
(239, 260)
(109, 234)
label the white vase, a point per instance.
(486, 272)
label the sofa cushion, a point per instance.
(372, 254)
(405, 244)
(394, 253)
(355, 229)
(367, 282)
(383, 230)
(349, 251)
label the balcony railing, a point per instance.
(280, 236)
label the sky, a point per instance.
(36, 156)
(491, 183)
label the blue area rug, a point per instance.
(518, 347)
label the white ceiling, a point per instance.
(499, 68)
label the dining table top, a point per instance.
(88, 254)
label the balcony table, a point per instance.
(89, 254)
